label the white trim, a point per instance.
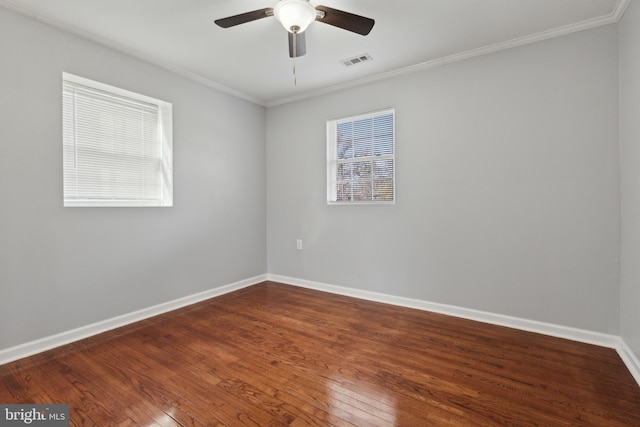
(157, 148)
(614, 17)
(566, 332)
(619, 10)
(596, 338)
(580, 335)
(611, 18)
(333, 162)
(7, 4)
(629, 359)
(626, 354)
(57, 340)
(110, 90)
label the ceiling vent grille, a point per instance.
(365, 57)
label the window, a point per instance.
(117, 146)
(361, 159)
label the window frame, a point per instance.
(333, 161)
(165, 143)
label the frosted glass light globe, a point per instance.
(294, 15)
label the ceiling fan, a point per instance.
(296, 15)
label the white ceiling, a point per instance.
(252, 61)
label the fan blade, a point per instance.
(301, 44)
(243, 18)
(345, 20)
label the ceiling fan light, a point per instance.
(294, 15)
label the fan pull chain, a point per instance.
(295, 54)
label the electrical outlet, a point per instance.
(299, 244)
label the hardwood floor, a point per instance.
(276, 355)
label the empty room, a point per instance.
(320, 213)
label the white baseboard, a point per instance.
(57, 340)
(575, 334)
(580, 335)
(629, 359)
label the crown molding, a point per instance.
(619, 10)
(7, 4)
(612, 18)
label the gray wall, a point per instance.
(507, 186)
(630, 173)
(62, 268)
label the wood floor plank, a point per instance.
(277, 355)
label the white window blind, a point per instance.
(361, 159)
(116, 148)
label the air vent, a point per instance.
(365, 57)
